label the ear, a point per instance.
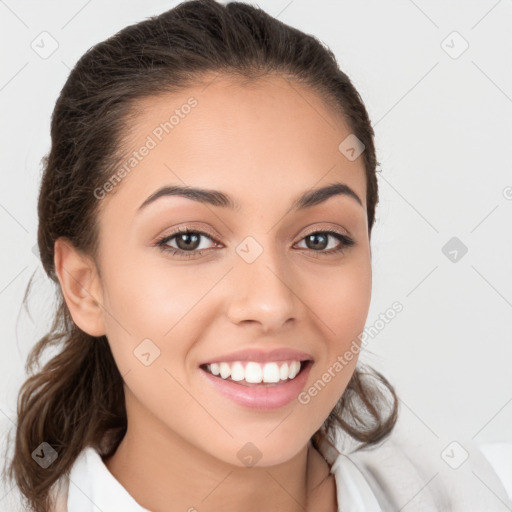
(81, 287)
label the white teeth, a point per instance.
(255, 373)
(225, 370)
(237, 371)
(294, 369)
(271, 373)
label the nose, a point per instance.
(263, 292)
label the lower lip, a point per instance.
(261, 397)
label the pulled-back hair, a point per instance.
(76, 399)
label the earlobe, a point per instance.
(81, 287)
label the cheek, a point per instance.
(340, 298)
(150, 298)
(340, 302)
(153, 309)
(347, 310)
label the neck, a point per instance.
(160, 475)
(164, 472)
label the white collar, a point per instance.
(92, 487)
(352, 489)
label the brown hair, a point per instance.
(77, 397)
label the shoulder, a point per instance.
(10, 496)
(94, 487)
(499, 456)
(426, 474)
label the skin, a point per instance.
(264, 144)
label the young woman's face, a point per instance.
(251, 277)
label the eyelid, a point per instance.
(346, 240)
(205, 231)
(188, 227)
(315, 229)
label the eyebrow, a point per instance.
(220, 199)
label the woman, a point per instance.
(206, 211)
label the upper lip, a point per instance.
(261, 356)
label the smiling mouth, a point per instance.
(241, 381)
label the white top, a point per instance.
(388, 477)
(500, 457)
(93, 488)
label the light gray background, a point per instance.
(443, 132)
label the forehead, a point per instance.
(265, 138)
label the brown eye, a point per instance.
(318, 241)
(187, 242)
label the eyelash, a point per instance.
(161, 243)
